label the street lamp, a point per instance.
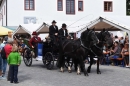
(2, 18)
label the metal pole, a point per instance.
(2, 18)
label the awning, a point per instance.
(44, 28)
(26, 28)
(112, 23)
(20, 30)
(4, 31)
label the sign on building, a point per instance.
(28, 20)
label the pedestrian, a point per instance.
(0, 66)
(8, 49)
(14, 60)
(2, 59)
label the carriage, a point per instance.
(48, 52)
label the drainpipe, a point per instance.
(6, 14)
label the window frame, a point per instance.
(29, 5)
(82, 5)
(58, 5)
(107, 6)
(70, 8)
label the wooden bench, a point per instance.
(119, 59)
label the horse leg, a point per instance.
(69, 68)
(98, 70)
(78, 70)
(62, 64)
(91, 62)
(82, 65)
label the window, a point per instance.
(60, 5)
(80, 5)
(108, 6)
(29, 4)
(128, 7)
(70, 6)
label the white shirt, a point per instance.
(54, 27)
(64, 32)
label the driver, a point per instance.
(53, 31)
(34, 41)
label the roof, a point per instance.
(113, 23)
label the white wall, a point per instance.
(46, 10)
(3, 12)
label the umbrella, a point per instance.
(4, 31)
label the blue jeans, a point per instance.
(14, 73)
(4, 65)
(0, 63)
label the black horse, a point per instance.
(77, 49)
(104, 38)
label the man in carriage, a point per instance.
(63, 33)
(34, 41)
(53, 31)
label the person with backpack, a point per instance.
(7, 48)
(0, 65)
(2, 56)
(14, 60)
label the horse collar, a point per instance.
(82, 45)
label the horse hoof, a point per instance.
(88, 71)
(78, 73)
(98, 72)
(69, 71)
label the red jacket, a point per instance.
(8, 49)
(34, 40)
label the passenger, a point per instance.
(33, 43)
(63, 33)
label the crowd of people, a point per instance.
(120, 49)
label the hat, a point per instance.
(63, 25)
(34, 33)
(54, 21)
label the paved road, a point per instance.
(38, 75)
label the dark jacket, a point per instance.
(53, 30)
(61, 33)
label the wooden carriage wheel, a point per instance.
(48, 60)
(27, 57)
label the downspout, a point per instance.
(6, 14)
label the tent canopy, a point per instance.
(44, 28)
(4, 31)
(110, 23)
(26, 28)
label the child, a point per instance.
(14, 60)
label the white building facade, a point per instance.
(15, 12)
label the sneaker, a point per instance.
(126, 66)
(4, 77)
(1, 77)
